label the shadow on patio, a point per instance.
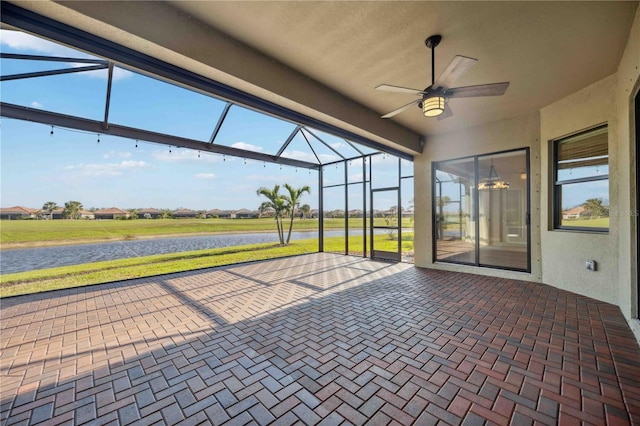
(317, 338)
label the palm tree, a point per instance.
(133, 214)
(305, 209)
(276, 202)
(49, 207)
(293, 200)
(263, 208)
(595, 207)
(72, 209)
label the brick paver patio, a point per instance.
(319, 338)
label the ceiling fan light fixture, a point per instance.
(433, 106)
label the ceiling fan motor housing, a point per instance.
(433, 41)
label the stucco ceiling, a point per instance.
(547, 50)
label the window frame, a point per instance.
(558, 184)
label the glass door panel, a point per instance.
(334, 236)
(357, 225)
(453, 206)
(386, 227)
(502, 205)
(407, 210)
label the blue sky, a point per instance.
(69, 165)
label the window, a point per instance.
(481, 210)
(581, 181)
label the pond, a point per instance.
(20, 260)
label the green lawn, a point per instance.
(115, 270)
(42, 232)
(600, 222)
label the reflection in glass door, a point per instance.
(454, 207)
(502, 205)
(494, 231)
(387, 225)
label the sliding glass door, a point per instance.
(481, 210)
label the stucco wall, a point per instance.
(564, 253)
(628, 84)
(518, 132)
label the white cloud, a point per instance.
(263, 178)
(186, 155)
(118, 73)
(23, 41)
(26, 42)
(36, 104)
(247, 147)
(357, 177)
(107, 169)
(204, 176)
(116, 154)
(309, 157)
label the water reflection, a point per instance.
(21, 260)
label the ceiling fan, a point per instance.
(434, 100)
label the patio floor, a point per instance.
(318, 338)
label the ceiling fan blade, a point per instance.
(398, 89)
(495, 89)
(399, 110)
(446, 113)
(458, 66)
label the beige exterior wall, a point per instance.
(558, 257)
(519, 132)
(628, 85)
(564, 253)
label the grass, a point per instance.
(138, 267)
(18, 233)
(600, 222)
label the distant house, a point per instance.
(59, 214)
(217, 213)
(185, 214)
(408, 213)
(56, 213)
(86, 214)
(576, 213)
(268, 212)
(244, 214)
(18, 212)
(149, 213)
(111, 213)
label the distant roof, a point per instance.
(575, 210)
(17, 210)
(111, 210)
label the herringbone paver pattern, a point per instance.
(317, 339)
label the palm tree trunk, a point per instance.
(290, 228)
(280, 231)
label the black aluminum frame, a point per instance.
(637, 195)
(45, 27)
(42, 26)
(557, 184)
(476, 211)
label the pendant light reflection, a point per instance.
(493, 181)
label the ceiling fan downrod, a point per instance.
(431, 43)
